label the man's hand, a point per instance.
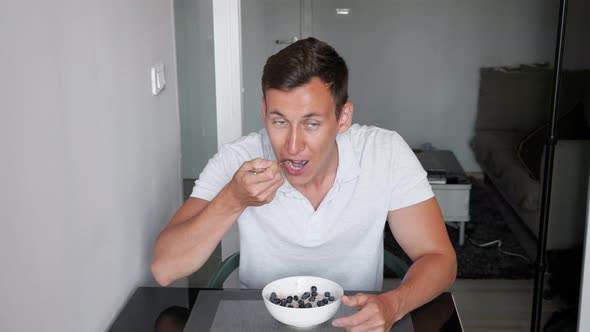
(251, 188)
(376, 312)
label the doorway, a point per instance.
(267, 26)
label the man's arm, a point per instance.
(420, 231)
(198, 226)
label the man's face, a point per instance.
(302, 127)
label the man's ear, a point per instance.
(345, 120)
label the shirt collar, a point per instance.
(348, 161)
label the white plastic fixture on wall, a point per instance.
(158, 79)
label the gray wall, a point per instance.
(90, 167)
(414, 64)
(196, 84)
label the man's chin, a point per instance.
(296, 179)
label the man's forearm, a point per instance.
(183, 248)
(428, 277)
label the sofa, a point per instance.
(509, 139)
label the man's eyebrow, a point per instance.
(310, 115)
(277, 113)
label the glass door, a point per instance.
(196, 86)
(267, 26)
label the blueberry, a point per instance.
(325, 301)
(301, 303)
(273, 295)
(314, 289)
(305, 295)
(312, 299)
(289, 299)
(283, 304)
(308, 305)
(314, 293)
(327, 294)
(290, 306)
(331, 298)
(296, 298)
(284, 301)
(320, 303)
(276, 300)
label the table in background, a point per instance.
(452, 196)
(171, 307)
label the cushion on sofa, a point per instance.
(530, 151)
(509, 100)
(572, 125)
(489, 145)
(519, 99)
(495, 151)
(523, 190)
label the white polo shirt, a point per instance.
(343, 239)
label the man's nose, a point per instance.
(295, 143)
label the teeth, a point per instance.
(297, 164)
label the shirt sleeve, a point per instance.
(410, 183)
(218, 172)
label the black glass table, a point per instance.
(165, 309)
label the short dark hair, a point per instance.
(298, 63)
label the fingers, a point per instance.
(255, 189)
(357, 300)
(275, 169)
(357, 319)
(368, 318)
(269, 194)
(260, 163)
(267, 177)
(264, 170)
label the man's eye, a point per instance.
(280, 123)
(312, 125)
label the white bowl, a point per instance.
(302, 317)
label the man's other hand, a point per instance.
(376, 313)
(256, 182)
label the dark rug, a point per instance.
(487, 224)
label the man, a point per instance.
(311, 194)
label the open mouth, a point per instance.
(296, 164)
(295, 167)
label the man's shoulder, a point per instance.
(373, 137)
(246, 147)
(253, 139)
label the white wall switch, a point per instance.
(158, 79)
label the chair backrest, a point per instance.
(395, 264)
(231, 263)
(224, 270)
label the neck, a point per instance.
(316, 190)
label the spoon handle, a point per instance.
(256, 171)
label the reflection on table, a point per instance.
(169, 309)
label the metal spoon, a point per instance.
(256, 171)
